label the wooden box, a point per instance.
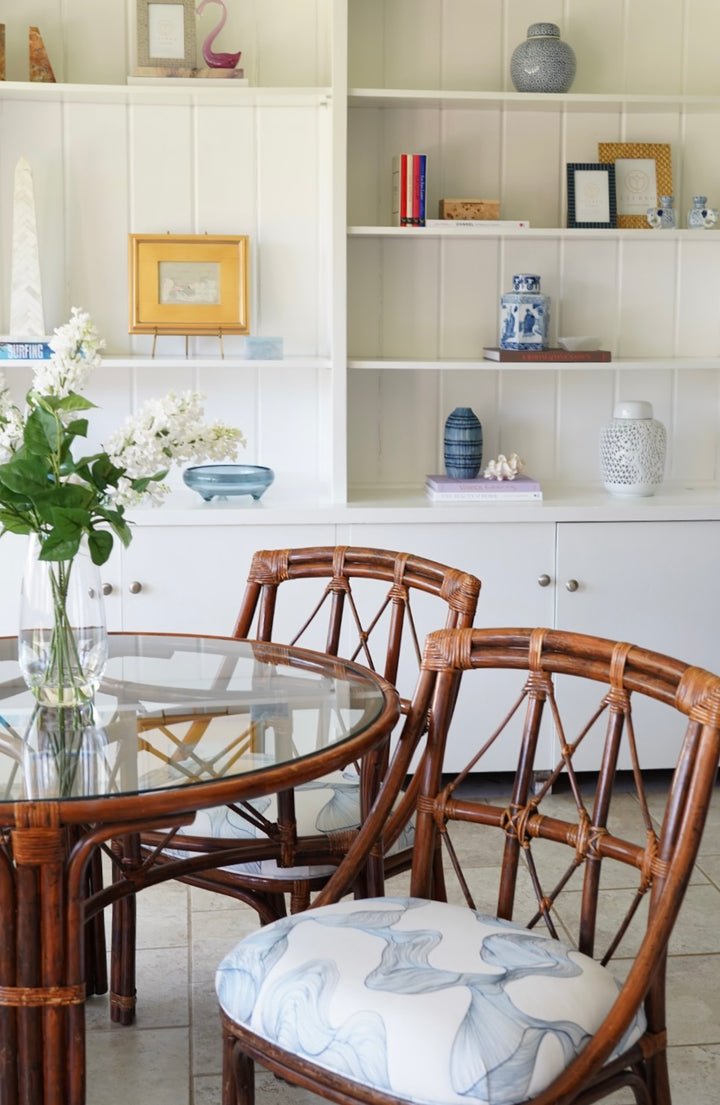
(469, 209)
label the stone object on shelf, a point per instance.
(632, 450)
(524, 314)
(700, 215)
(469, 209)
(263, 349)
(543, 62)
(26, 302)
(39, 62)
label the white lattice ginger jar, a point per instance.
(632, 450)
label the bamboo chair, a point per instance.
(506, 992)
(369, 605)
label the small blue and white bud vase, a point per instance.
(463, 444)
(700, 216)
(524, 314)
(662, 217)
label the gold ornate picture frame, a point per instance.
(188, 284)
(166, 34)
(643, 173)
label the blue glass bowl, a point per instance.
(221, 480)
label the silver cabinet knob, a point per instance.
(135, 587)
(544, 580)
(572, 585)
(107, 588)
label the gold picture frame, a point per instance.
(188, 284)
(636, 164)
(166, 34)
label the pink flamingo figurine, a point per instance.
(213, 60)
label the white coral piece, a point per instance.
(504, 468)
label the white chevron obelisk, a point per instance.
(26, 307)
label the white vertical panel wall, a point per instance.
(257, 165)
(646, 296)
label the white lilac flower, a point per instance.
(164, 432)
(76, 352)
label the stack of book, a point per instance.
(447, 489)
(409, 189)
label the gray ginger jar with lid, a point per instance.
(543, 63)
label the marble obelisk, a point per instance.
(26, 307)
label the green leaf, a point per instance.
(74, 402)
(77, 428)
(12, 523)
(100, 543)
(60, 546)
(25, 474)
(115, 519)
(43, 433)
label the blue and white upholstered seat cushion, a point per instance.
(325, 806)
(428, 1001)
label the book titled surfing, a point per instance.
(409, 184)
(448, 489)
(30, 350)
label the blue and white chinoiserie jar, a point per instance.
(700, 215)
(524, 314)
(463, 444)
(543, 62)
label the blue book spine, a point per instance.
(25, 351)
(423, 167)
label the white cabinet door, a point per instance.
(653, 584)
(191, 579)
(510, 560)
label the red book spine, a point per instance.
(416, 191)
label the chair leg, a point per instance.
(238, 1078)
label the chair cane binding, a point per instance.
(505, 992)
(363, 604)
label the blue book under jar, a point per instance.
(524, 314)
(463, 444)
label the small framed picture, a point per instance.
(166, 34)
(643, 173)
(591, 195)
(188, 284)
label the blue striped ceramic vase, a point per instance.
(463, 444)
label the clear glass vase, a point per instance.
(65, 753)
(62, 638)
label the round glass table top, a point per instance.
(174, 711)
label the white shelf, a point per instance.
(492, 231)
(202, 360)
(673, 364)
(219, 93)
(527, 101)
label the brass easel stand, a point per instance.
(187, 336)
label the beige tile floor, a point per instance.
(171, 1056)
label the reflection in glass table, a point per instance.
(178, 724)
